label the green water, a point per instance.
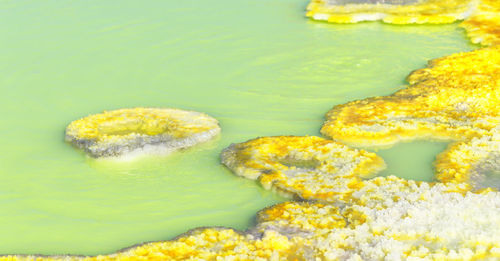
(258, 66)
(411, 160)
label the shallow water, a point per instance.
(412, 160)
(258, 66)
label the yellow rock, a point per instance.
(471, 161)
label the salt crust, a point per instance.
(402, 12)
(455, 98)
(482, 17)
(308, 167)
(471, 161)
(387, 219)
(127, 133)
(483, 27)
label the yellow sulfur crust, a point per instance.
(125, 131)
(484, 25)
(481, 17)
(308, 167)
(388, 218)
(430, 11)
(470, 161)
(455, 98)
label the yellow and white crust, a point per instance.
(455, 98)
(391, 11)
(308, 167)
(472, 161)
(483, 27)
(130, 132)
(481, 17)
(386, 219)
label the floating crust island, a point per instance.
(129, 132)
(308, 167)
(482, 22)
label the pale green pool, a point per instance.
(258, 66)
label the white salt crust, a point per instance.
(188, 129)
(163, 148)
(395, 220)
(377, 16)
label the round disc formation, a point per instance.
(308, 167)
(140, 130)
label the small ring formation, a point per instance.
(308, 167)
(131, 132)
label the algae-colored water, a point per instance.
(258, 66)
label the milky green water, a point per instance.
(258, 66)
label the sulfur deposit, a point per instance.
(484, 25)
(394, 219)
(481, 17)
(472, 161)
(455, 98)
(129, 132)
(391, 11)
(387, 219)
(308, 167)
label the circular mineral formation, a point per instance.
(308, 167)
(130, 132)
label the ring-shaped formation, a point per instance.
(130, 132)
(307, 167)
